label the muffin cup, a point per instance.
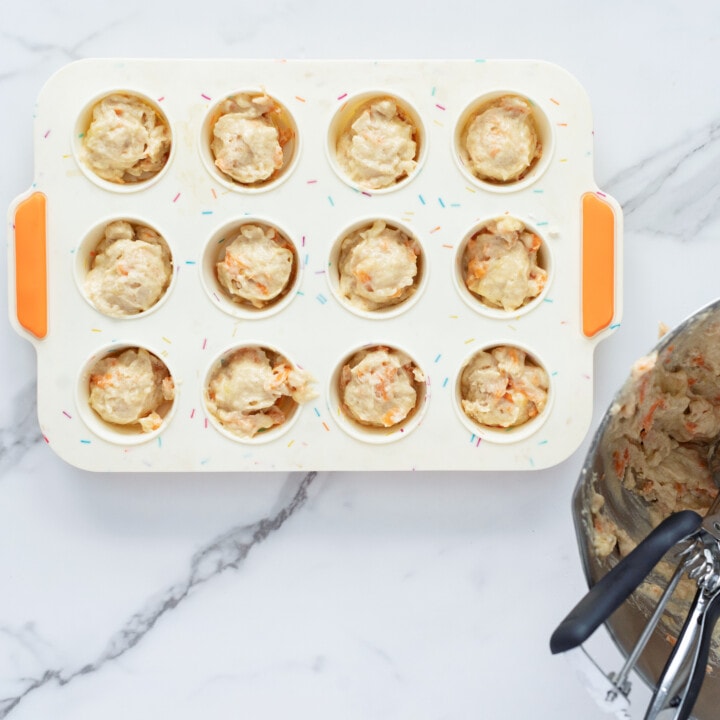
(112, 432)
(501, 435)
(366, 433)
(220, 296)
(346, 115)
(285, 122)
(473, 300)
(545, 134)
(83, 259)
(333, 272)
(82, 123)
(289, 407)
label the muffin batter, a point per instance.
(501, 140)
(500, 264)
(247, 144)
(503, 388)
(131, 388)
(257, 266)
(379, 148)
(655, 453)
(664, 423)
(127, 141)
(130, 270)
(255, 389)
(378, 266)
(378, 387)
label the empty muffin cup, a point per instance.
(376, 142)
(249, 141)
(378, 394)
(377, 268)
(503, 393)
(252, 393)
(502, 267)
(124, 268)
(251, 268)
(123, 141)
(503, 141)
(126, 394)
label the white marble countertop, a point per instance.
(341, 595)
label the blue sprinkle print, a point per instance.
(85, 442)
(614, 326)
(445, 382)
(440, 200)
(317, 412)
(321, 299)
(422, 199)
(437, 359)
(331, 201)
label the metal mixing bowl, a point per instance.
(631, 514)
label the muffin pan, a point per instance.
(313, 205)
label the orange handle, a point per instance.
(598, 264)
(31, 265)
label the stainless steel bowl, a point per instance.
(631, 514)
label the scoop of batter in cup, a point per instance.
(130, 270)
(127, 141)
(379, 148)
(248, 139)
(501, 140)
(132, 388)
(254, 389)
(378, 267)
(378, 387)
(500, 264)
(503, 388)
(257, 266)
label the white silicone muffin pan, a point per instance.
(54, 224)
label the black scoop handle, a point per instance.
(615, 587)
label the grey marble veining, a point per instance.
(22, 433)
(674, 192)
(224, 553)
